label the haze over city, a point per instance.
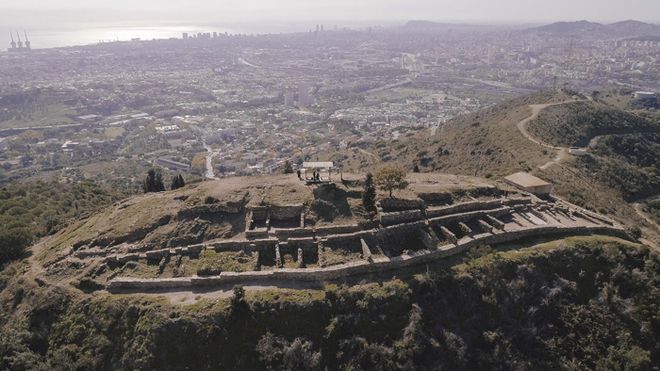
(329, 185)
(364, 10)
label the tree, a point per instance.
(390, 178)
(177, 182)
(288, 169)
(154, 182)
(416, 168)
(198, 163)
(13, 243)
(239, 305)
(369, 193)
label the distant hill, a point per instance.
(634, 27)
(570, 27)
(628, 28)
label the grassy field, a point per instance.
(53, 114)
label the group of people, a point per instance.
(316, 176)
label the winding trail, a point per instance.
(562, 152)
(369, 154)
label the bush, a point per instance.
(87, 284)
(13, 243)
(279, 354)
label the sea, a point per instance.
(71, 35)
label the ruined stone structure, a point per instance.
(407, 232)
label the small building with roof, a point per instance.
(529, 183)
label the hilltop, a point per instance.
(147, 282)
(628, 28)
(533, 134)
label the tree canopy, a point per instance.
(288, 169)
(369, 193)
(390, 178)
(177, 182)
(153, 182)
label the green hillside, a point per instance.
(576, 123)
(589, 303)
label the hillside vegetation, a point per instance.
(585, 303)
(576, 123)
(31, 210)
(485, 143)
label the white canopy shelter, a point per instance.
(314, 168)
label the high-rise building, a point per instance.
(185, 36)
(288, 99)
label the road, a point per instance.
(243, 61)
(210, 173)
(389, 86)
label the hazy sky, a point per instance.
(22, 12)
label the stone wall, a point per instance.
(258, 213)
(218, 208)
(336, 229)
(285, 212)
(256, 233)
(305, 243)
(224, 246)
(397, 217)
(400, 204)
(286, 233)
(463, 207)
(461, 217)
(436, 198)
(192, 250)
(355, 268)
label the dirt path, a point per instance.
(639, 209)
(190, 296)
(368, 153)
(562, 152)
